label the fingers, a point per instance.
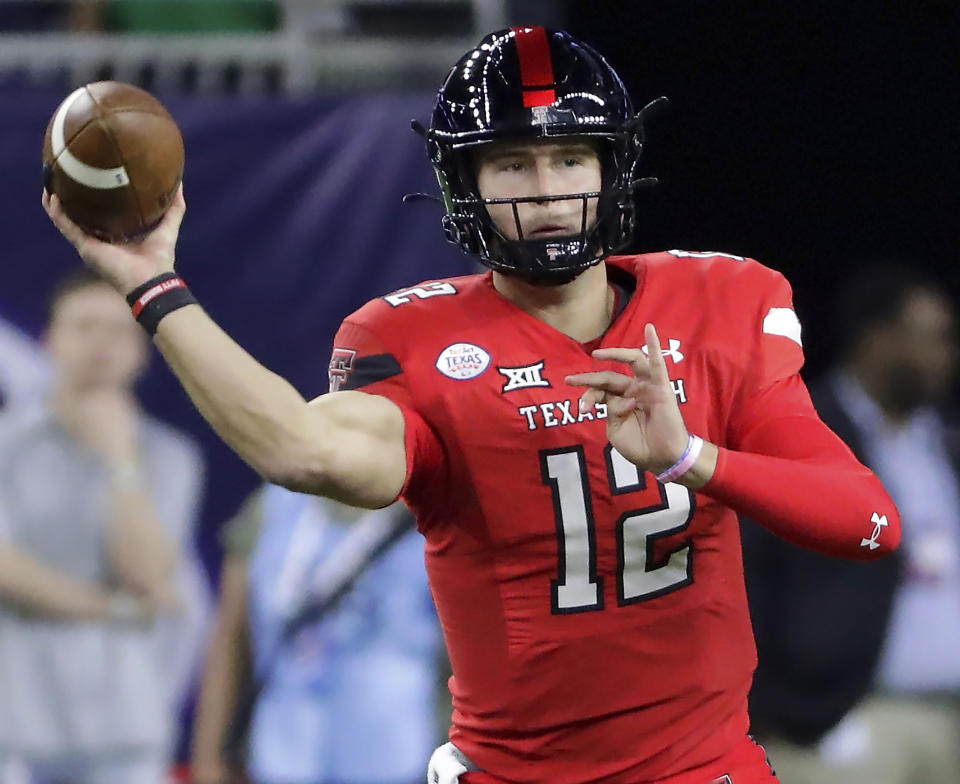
(590, 399)
(179, 203)
(74, 234)
(605, 386)
(599, 383)
(634, 357)
(658, 365)
(170, 225)
(607, 380)
(617, 405)
(620, 406)
(645, 363)
(608, 386)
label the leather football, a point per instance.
(114, 156)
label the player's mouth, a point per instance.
(551, 230)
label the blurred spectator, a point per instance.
(86, 16)
(351, 700)
(859, 673)
(24, 369)
(94, 498)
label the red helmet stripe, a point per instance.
(536, 66)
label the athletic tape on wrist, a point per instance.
(153, 300)
(686, 461)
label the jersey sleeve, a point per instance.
(795, 477)
(773, 349)
(361, 361)
(782, 466)
(778, 348)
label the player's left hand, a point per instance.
(644, 422)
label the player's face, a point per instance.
(512, 170)
(926, 349)
(94, 341)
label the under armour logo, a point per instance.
(671, 352)
(879, 523)
(521, 377)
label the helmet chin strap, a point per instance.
(547, 278)
(542, 274)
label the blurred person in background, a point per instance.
(351, 699)
(859, 673)
(95, 499)
(24, 369)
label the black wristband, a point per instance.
(153, 300)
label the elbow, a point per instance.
(295, 456)
(296, 470)
(877, 526)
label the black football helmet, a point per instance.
(529, 82)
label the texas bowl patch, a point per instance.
(462, 361)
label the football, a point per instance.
(114, 156)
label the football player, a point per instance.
(574, 430)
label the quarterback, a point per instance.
(575, 431)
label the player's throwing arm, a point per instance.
(349, 446)
(644, 422)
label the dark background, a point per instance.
(816, 137)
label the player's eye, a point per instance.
(572, 160)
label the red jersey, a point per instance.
(596, 620)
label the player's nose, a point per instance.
(545, 181)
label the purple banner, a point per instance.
(294, 220)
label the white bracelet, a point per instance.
(686, 461)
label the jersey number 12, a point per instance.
(639, 576)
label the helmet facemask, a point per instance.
(552, 260)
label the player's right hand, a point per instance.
(127, 265)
